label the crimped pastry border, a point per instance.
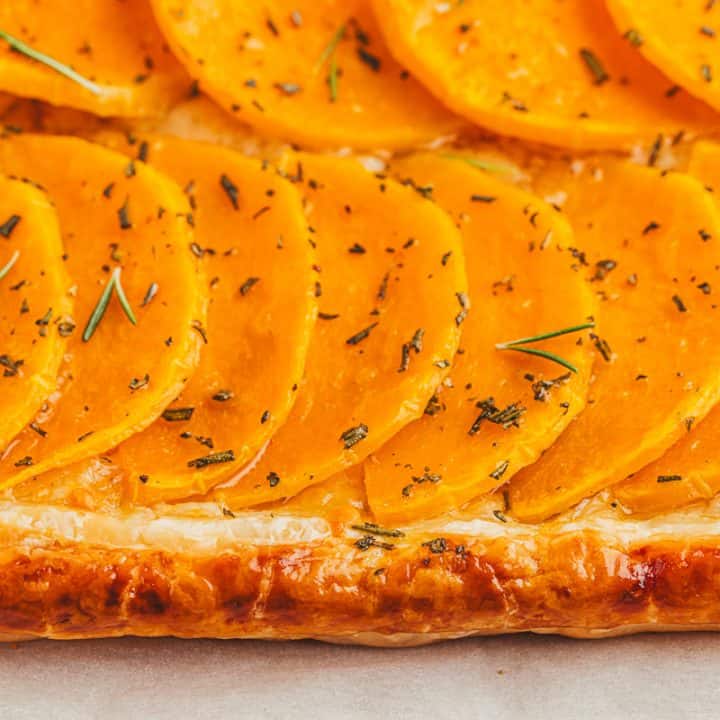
(579, 579)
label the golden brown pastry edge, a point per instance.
(578, 581)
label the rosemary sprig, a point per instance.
(99, 312)
(329, 54)
(520, 344)
(5, 269)
(19, 46)
(496, 168)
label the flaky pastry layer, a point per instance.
(74, 574)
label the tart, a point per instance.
(380, 322)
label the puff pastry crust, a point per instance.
(72, 574)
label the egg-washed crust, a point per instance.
(579, 578)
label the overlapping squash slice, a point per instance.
(501, 409)
(115, 47)
(554, 71)
(312, 71)
(680, 37)
(122, 221)
(32, 281)
(645, 241)
(690, 469)
(252, 239)
(391, 284)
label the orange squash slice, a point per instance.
(389, 324)
(679, 38)
(115, 47)
(251, 236)
(643, 241)
(690, 469)
(520, 283)
(312, 71)
(116, 218)
(32, 280)
(552, 71)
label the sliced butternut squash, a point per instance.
(32, 281)
(115, 47)
(690, 469)
(678, 37)
(251, 237)
(552, 71)
(521, 283)
(312, 71)
(645, 239)
(390, 272)
(120, 222)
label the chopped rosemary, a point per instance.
(231, 190)
(595, 66)
(9, 225)
(212, 459)
(520, 344)
(19, 46)
(354, 435)
(99, 312)
(361, 335)
(178, 414)
(373, 529)
(669, 478)
(5, 269)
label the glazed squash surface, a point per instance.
(679, 37)
(519, 256)
(657, 344)
(690, 469)
(116, 217)
(252, 241)
(553, 71)
(113, 43)
(312, 71)
(32, 282)
(391, 289)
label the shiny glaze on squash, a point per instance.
(390, 268)
(644, 243)
(251, 237)
(690, 469)
(518, 255)
(113, 214)
(270, 64)
(33, 282)
(551, 71)
(678, 37)
(114, 43)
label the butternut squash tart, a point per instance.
(503, 333)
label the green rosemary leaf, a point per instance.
(5, 269)
(330, 48)
(545, 336)
(20, 47)
(99, 312)
(123, 298)
(497, 168)
(541, 353)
